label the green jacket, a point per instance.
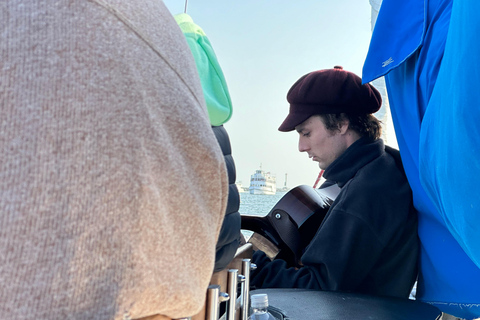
(214, 86)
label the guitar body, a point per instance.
(293, 221)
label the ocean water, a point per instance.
(258, 204)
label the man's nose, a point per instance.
(302, 146)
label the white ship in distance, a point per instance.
(262, 182)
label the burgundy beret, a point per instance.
(329, 91)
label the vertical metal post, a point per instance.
(213, 293)
(246, 288)
(232, 292)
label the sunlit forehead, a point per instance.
(308, 124)
(302, 126)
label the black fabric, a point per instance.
(229, 237)
(304, 304)
(368, 241)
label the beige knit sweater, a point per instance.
(112, 185)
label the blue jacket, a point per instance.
(424, 49)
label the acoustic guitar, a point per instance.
(289, 227)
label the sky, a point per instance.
(264, 47)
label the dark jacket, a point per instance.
(368, 240)
(229, 238)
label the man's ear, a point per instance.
(344, 124)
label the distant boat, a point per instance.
(262, 182)
(240, 187)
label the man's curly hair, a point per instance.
(366, 125)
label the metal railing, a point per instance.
(237, 304)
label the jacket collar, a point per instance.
(360, 153)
